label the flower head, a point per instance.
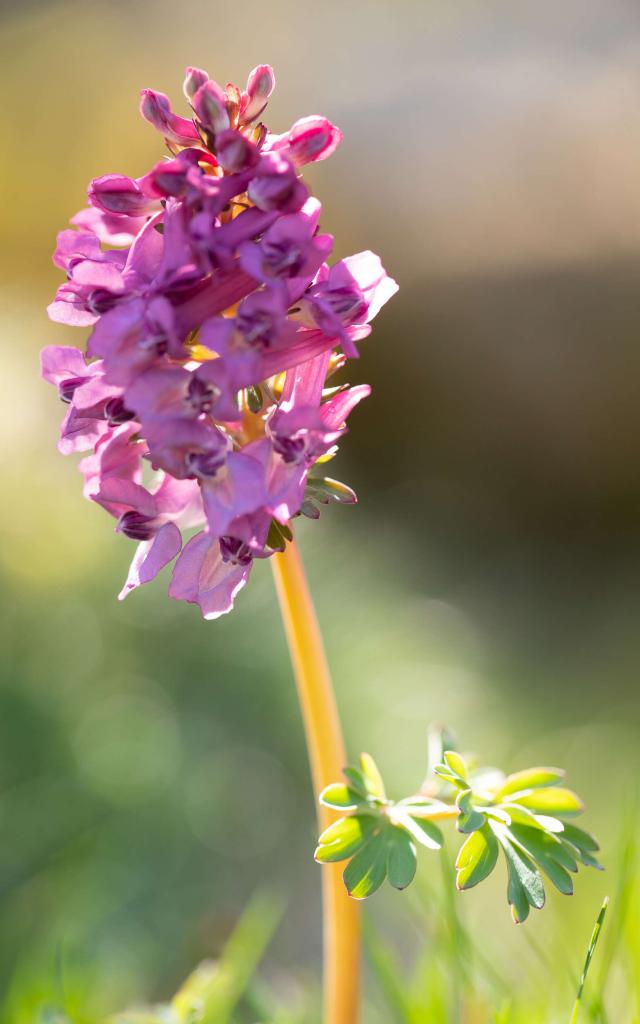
(215, 321)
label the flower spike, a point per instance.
(216, 319)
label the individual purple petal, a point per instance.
(163, 391)
(336, 409)
(110, 228)
(144, 257)
(276, 186)
(116, 193)
(186, 448)
(61, 362)
(72, 246)
(122, 496)
(116, 455)
(80, 432)
(236, 490)
(152, 556)
(365, 268)
(70, 307)
(235, 152)
(202, 577)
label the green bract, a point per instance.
(523, 815)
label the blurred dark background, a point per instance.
(152, 767)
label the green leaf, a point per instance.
(469, 819)
(530, 778)
(549, 854)
(525, 886)
(420, 829)
(355, 780)
(345, 837)
(456, 763)
(554, 800)
(326, 489)
(372, 777)
(476, 858)
(275, 537)
(401, 858)
(340, 796)
(366, 872)
(583, 845)
(578, 837)
(254, 399)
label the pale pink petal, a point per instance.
(151, 556)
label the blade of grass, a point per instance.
(218, 990)
(593, 942)
(622, 902)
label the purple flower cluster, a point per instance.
(215, 321)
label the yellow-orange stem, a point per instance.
(341, 919)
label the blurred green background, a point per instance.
(152, 765)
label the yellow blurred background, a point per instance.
(152, 768)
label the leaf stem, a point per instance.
(341, 922)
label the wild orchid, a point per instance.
(205, 412)
(215, 322)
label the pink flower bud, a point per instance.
(313, 138)
(156, 109)
(194, 78)
(260, 85)
(115, 193)
(235, 152)
(210, 105)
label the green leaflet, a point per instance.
(583, 845)
(401, 858)
(549, 853)
(340, 796)
(344, 838)
(366, 872)
(530, 778)
(372, 777)
(355, 780)
(469, 818)
(476, 858)
(524, 888)
(554, 800)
